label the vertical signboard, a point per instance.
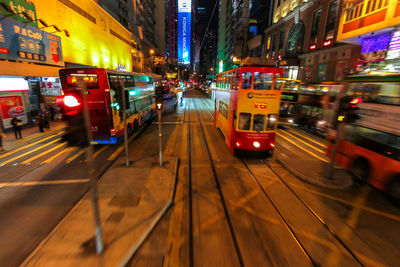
(184, 30)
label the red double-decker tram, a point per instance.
(247, 101)
(104, 96)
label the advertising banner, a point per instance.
(12, 106)
(322, 72)
(22, 42)
(184, 30)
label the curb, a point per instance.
(324, 183)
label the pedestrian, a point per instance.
(17, 126)
(41, 122)
(2, 135)
(52, 112)
(34, 112)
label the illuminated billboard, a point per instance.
(184, 30)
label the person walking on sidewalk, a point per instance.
(17, 126)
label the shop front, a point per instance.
(30, 60)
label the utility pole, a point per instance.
(93, 180)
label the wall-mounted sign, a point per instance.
(12, 106)
(19, 41)
(50, 88)
(394, 46)
(322, 72)
(19, 6)
(184, 30)
(374, 48)
(307, 73)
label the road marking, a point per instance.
(29, 145)
(306, 150)
(67, 150)
(29, 152)
(43, 153)
(313, 147)
(69, 160)
(98, 152)
(52, 182)
(335, 257)
(122, 146)
(310, 139)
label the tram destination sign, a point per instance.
(22, 42)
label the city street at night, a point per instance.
(192, 133)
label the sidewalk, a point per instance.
(313, 171)
(30, 133)
(131, 200)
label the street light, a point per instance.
(152, 51)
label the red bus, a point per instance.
(370, 148)
(247, 101)
(104, 98)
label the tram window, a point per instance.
(262, 81)
(272, 119)
(258, 122)
(246, 80)
(244, 121)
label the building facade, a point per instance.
(54, 34)
(303, 40)
(233, 33)
(373, 25)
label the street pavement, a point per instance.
(242, 212)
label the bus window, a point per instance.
(258, 122)
(263, 81)
(89, 80)
(246, 80)
(244, 121)
(272, 118)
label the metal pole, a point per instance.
(160, 135)
(124, 121)
(334, 149)
(93, 180)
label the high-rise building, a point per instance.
(233, 32)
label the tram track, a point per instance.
(304, 204)
(219, 189)
(284, 220)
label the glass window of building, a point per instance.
(315, 26)
(281, 37)
(331, 21)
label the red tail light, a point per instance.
(272, 145)
(113, 131)
(237, 144)
(71, 101)
(356, 100)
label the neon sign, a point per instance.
(184, 30)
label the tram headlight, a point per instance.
(290, 120)
(237, 144)
(256, 144)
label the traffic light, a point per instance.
(159, 97)
(348, 107)
(76, 133)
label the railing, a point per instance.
(357, 10)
